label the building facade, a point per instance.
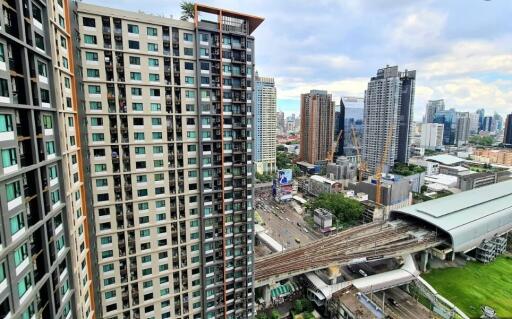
(354, 115)
(431, 135)
(168, 118)
(316, 125)
(265, 124)
(388, 105)
(449, 120)
(463, 128)
(44, 248)
(507, 139)
(433, 106)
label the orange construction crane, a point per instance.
(362, 164)
(379, 169)
(334, 148)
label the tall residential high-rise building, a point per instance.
(281, 123)
(463, 128)
(354, 114)
(316, 125)
(340, 126)
(431, 135)
(44, 255)
(498, 120)
(474, 123)
(168, 112)
(449, 120)
(481, 115)
(388, 105)
(489, 124)
(265, 124)
(507, 139)
(433, 106)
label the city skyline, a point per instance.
(466, 65)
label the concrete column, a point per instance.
(423, 261)
(266, 295)
(452, 256)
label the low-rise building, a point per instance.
(323, 218)
(490, 156)
(470, 180)
(343, 169)
(432, 168)
(319, 184)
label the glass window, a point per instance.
(6, 123)
(17, 222)
(153, 62)
(132, 28)
(152, 32)
(93, 73)
(106, 240)
(42, 69)
(140, 150)
(90, 39)
(188, 37)
(135, 76)
(2, 53)
(9, 157)
(152, 47)
(134, 60)
(93, 105)
(20, 254)
(154, 77)
(157, 135)
(4, 88)
(133, 44)
(94, 89)
(50, 147)
(52, 172)
(24, 284)
(154, 92)
(13, 190)
(188, 51)
(47, 121)
(156, 121)
(189, 66)
(137, 91)
(156, 107)
(91, 56)
(189, 79)
(89, 22)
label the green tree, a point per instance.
(275, 314)
(281, 148)
(308, 315)
(297, 306)
(261, 316)
(187, 10)
(345, 210)
(283, 160)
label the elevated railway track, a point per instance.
(373, 241)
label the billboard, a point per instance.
(284, 176)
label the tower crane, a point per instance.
(362, 164)
(334, 148)
(380, 168)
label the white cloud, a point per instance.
(419, 29)
(291, 89)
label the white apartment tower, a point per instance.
(431, 135)
(168, 117)
(388, 105)
(265, 121)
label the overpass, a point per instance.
(461, 222)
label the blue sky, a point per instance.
(461, 49)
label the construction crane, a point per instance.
(334, 148)
(380, 168)
(362, 164)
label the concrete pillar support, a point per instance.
(424, 261)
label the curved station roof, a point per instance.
(468, 217)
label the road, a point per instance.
(282, 222)
(406, 306)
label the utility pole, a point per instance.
(383, 305)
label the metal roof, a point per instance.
(468, 217)
(445, 159)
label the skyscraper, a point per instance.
(449, 120)
(507, 140)
(45, 269)
(431, 135)
(498, 120)
(463, 126)
(168, 117)
(265, 124)
(489, 124)
(354, 110)
(433, 106)
(281, 124)
(474, 123)
(388, 105)
(340, 126)
(481, 115)
(316, 125)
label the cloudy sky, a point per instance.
(461, 49)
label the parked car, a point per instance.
(363, 273)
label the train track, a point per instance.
(371, 240)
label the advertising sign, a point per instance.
(284, 176)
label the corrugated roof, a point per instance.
(469, 217)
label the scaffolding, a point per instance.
(490, 249)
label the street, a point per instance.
(282, 222)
